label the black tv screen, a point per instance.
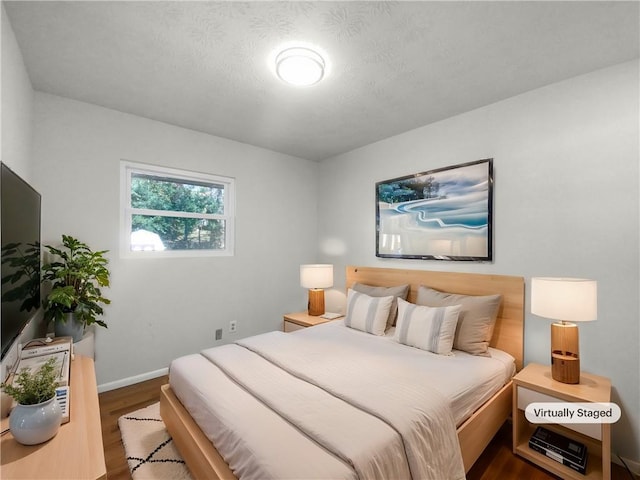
(20, 267)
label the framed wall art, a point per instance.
(442, 214)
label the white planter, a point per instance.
(69, 328)
(33, 424)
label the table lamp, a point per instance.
(316, 278)
(568, 300)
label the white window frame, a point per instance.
(128, 168)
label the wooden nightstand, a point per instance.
(534, 384)
(298, 320)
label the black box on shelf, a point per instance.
(563, 450)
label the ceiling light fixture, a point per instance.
(300, 66)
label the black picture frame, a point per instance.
(441, 214)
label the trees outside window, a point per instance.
(168, 210)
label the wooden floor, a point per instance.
(497, 461)
(113, 405)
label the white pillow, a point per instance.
(427, 328)
(366, 313)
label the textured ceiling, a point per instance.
(394, 66)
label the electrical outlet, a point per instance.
(233, 326)
(219, 334)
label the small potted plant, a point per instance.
(37, 415)
(76, 275)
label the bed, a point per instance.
(474, 426)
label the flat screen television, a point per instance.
(20, 266)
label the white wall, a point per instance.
(163, 308)
(16, 118)
(17, 104)
(566, 204)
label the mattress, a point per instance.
(466, 381)
(258, 440)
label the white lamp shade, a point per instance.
(316, 276)
(568, 299)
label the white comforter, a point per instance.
(357, 409)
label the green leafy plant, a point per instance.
(22, 282)
(76, 278)
(31, 388)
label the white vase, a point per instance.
(69, 327)
(33, 424)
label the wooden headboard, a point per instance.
(508, 334)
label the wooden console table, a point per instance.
(76, 451)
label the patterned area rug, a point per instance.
(150, 451)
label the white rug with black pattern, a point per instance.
(150, 451)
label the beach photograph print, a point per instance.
(442, 214)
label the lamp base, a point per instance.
(565, 368)
(565, 360)
(316, 302)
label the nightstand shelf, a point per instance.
(594, 462)
(534, 383)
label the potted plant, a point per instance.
(75, 300)
(37, 415)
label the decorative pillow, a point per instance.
(477, 317)
(400, 291)
(366, 313)
(427, 328)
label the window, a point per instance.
(169, 212)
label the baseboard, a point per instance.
(125, 382)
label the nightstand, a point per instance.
(298, 320)
(534, 384)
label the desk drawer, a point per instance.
(527, 396)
